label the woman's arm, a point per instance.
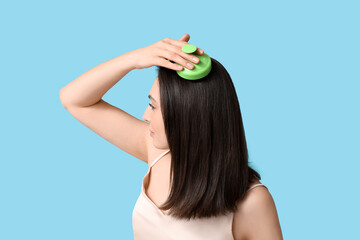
(91, 86)
(83, 96)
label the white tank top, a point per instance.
(149, 222)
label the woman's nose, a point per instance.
(145, 116)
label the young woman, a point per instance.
(193, 140)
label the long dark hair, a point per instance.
(209, 170)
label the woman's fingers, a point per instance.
(172, 54)
(180, 43)
(185, 57)
(185, 38)
(171, 49)
(199, 51)
(165, 63)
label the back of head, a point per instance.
(205, 133)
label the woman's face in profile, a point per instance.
(153, 115)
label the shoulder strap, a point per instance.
(158, 158)
(256, 185)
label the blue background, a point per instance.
(295, 66)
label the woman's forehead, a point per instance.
(154, 92)
(155, 89)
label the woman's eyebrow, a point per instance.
(152, 98)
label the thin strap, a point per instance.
(158, 158)
(256, 185)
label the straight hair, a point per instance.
(209, 170)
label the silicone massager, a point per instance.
(200, 70)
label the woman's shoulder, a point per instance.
(251, 193)
(253, 206)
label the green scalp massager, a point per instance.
(200, 70)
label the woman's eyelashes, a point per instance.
(152, 107)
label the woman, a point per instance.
(198, 182)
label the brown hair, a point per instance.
(209, 158)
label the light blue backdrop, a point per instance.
(295, 66)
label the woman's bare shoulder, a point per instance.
(255, 209)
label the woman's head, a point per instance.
(200, 122)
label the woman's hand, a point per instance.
(159, 54)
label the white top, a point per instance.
(149, 222)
